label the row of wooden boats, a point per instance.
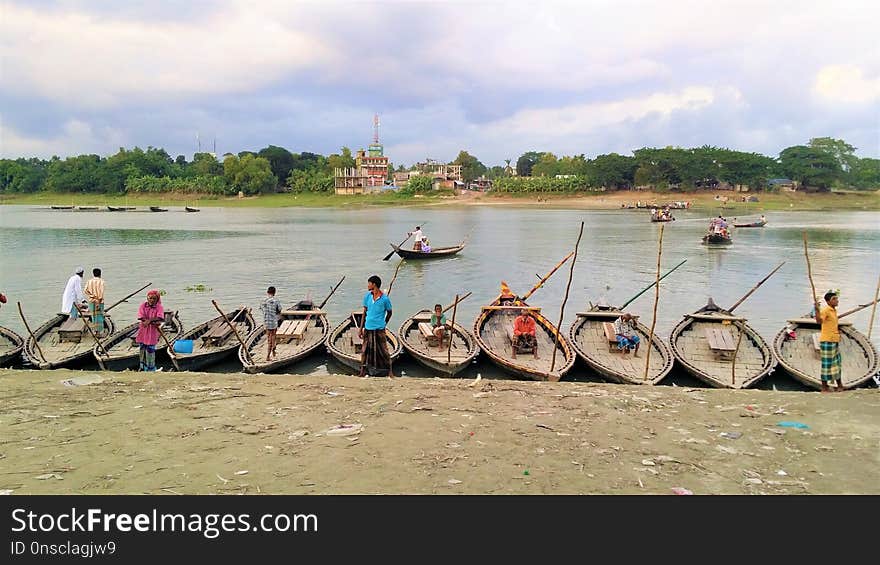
(703, 343)
(120, 208)
(712, 344)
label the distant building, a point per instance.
(370, 171)
(480, 183)
(782, 184)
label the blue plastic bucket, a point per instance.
(183, 346)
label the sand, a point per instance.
(75, 432)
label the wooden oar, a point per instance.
(754, 288)
(810, 277)
(457, 300)
(564, 300)
(650, 286)
(544, 279)
(235, 331)
(33, 337)
(331, 293)
(858, 308)
(874, 309)
(650, 345)
(451, 331)
(127, 297)
(393, 251)
(170, 349)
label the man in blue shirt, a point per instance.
(375, 359)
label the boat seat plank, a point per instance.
(816, 345)
(608, 327)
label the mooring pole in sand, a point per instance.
(656, 300)
(565, 299)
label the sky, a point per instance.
(494, 78)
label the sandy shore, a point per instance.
(197, 433)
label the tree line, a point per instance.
(821, 164)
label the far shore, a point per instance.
(703, 200)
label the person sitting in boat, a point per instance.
(524, 333)
(507, 297)
(439, 324)
(417, 244)
(627, 338)
(426, 245)
(763, 219)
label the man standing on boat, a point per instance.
(829, 341)
(271, 308)
(95, 293)
(417, 244)
(627, 338)
(73, 295)
(375, 359)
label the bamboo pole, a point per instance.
(235, 331)
(457, 300)
(394, 278)
(650, 344)
(754, 288)
(564, 300)
(95, 337)
(647, 288)
(810, 276)
(126, 298)
(451, 332)
(33, 337)
(874, 309)
(742, 330)
(544, 279)
(858, 308)
(331, 293)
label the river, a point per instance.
(237, 252)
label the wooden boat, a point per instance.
(158, 209)
(117, 208)
(87, 208)
(214, 341)
(435, 253)
(800, 356)
(464, 345)
(704, 343)
(662, 219)
(344, 345)
(124, 352)
(716, 239)
(493, 330)
(301, 331)
(65, 342)
(598, 348)
(191, 209)
(62, 207)
(757, 224)
(11, 345)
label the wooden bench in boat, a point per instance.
(427, 331)
(721, 341)
(217, 333)
(816, 347)
(71, 330)
(608, 327)
(291, 330)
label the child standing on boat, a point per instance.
(829, 341)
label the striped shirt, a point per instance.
(271, 308)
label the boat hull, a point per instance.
(464, 346)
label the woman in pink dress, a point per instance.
(150, 315)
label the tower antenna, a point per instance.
(376, 129)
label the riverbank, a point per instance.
(709, 200)
(194, 433)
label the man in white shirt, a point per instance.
(73, 294)
(417, 244)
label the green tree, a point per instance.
(865, 173)
(547, 166)
(843, 152)
(612, 170)
(810, 166)
(205, 165)
(341, 160)
(471, 167)
(249, 174)
(280, 160)
(418, 184)
(525, 163)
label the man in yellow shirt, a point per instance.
(94, 292)
(829, 341)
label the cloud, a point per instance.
(76, 137)
(846, 84)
